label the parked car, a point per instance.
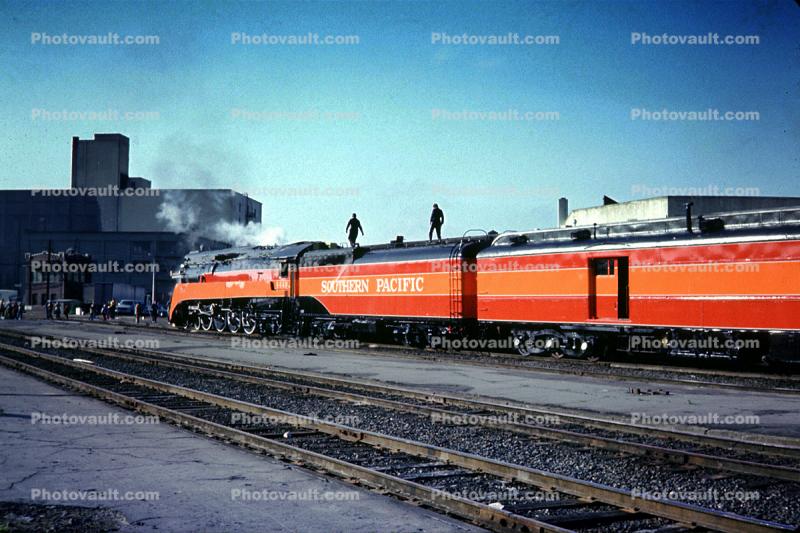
(126, 307)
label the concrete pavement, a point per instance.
(162, 478)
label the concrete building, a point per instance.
(100, 169)
(114, 217)
(100, 162)
(667, 207)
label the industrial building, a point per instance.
(665, 207)
(118, 220)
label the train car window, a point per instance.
(284, 269)
(604, 267)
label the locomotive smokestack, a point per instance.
(563, 208)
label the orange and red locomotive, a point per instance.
(727, 286)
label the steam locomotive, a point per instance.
(725, 286)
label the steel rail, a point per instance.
(511, 361)
(781, 447)
(675, 456)
(785, 448)
(671, 510)
(479, 513)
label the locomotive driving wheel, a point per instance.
(220, 323)
(234, 322)
(249, 323)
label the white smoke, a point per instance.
(180, 214)
(253, 234)
(177, 213)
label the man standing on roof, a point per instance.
(352, 229)
(437, 221)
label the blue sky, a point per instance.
(387, 157)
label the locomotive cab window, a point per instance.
(284, 270)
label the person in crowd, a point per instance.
(137, 312)
(57, 311)
(92, 311)
(154, 312)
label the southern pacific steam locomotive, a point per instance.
(723, 286)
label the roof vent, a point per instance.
(711, 225)
(581, 235)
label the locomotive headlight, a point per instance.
(584, 346)
(548, 343)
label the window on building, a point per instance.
(140, 248)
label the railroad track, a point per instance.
(579, 503)
(774, 383)
(588, 431)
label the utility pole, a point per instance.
(47, 272)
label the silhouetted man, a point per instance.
(437, 221)
(352, 229)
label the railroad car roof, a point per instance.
(726, 227)
(264, 253)
(396, 252)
